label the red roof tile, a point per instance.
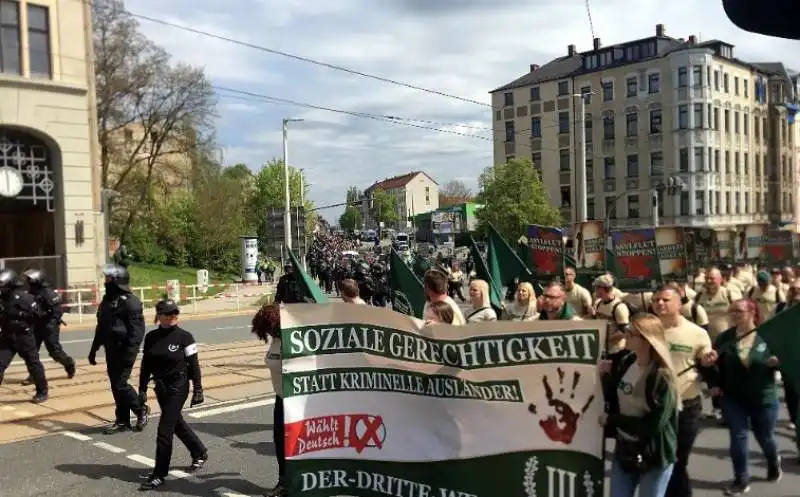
(398, 181)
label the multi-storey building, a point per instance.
(415, 193)
(657, 107)
(50, 212)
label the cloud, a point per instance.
(459, 47)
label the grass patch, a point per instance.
(153, 275)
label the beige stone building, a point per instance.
(50, 212)
(415, 193)
(658, 107)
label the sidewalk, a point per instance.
(230, 371)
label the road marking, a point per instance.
(24, 414)
(233, 408)
(6, 408)
(180, 474)
(77, 340)
(145, 461)
(48, 424)
(230, 494)
(109, 447)
(76, 436)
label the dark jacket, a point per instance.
(749, 385)
(120, 322)
(18, 312)
(49, 303)
(289, 290)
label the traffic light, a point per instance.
(766, 17)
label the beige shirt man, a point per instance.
(577, 296)
(716, 299)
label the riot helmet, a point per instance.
(117, 277)
(35, 277)
(9, 280)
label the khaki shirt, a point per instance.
(618, 317)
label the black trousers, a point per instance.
(688, 429)
(119, 364)
(24, 345)
(278, 441)
(791, 398)
(171, 398)
(50, 335)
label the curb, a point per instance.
(187, 317)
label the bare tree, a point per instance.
(152, 114)
(454, 192)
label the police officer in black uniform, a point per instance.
(48, 323)
(18, 312)
(120, 331)
(288, 290)
(170, 358)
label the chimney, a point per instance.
(659, 30)
(692, 40)
(534, 67)
(597, 44)
(571, 50)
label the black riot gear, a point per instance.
(47, 327)
(120, 331)
(18, 314)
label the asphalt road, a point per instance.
(206, 331)
(238, 437)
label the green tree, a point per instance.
(513, 196)
(269, 192)
(384, 207)
(351, 218)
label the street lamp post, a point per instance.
(580, 194)
(287, 220)
(106, 194)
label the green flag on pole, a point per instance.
(408, 293)
(484, 273)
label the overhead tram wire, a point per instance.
(307, 60)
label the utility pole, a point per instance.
(302, 205)
(580, 194)
(654, 213)
(287, 220)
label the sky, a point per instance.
(463, 48)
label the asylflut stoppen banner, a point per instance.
(375, 405)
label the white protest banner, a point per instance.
(376, 405)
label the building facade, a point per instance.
(49, 169)
(658, 108)
(414, 193)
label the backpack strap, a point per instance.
(694, 312)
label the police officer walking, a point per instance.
(170, 358)
(47, 328)
(120, 331)
(288, 290)
(18, 313)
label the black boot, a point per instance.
(117, 427)
(70, 368)
(40, 397)
(142, 417)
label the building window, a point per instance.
(684, 203)
(510, 133)
(633, 206)
(745, 124)
(699, 156)
(699, 203)
(716, 118)
(608, 128)
(736, 122)
(590, 170)
(727, 162)
(39, 40)
(655, 121)
(428, 192)
(756, 130)
(633, 166)
(716, 161)
(563, 88)
(736, 168)
(683, 117)
(508, 99)
(683, 160)
(699, 118)
(590, 208)
(566, 197)
(697, 76)
(632, 124)
(683, 75)
(656, 163)
(536, 158)
(536, 127)
(563, 159)
(563, 122)
(589, 128)
(586, 91)
(632, 87)
(747, 206)
(611, 207)
(736, 85)
(727, 121)
(654, 83)
(608, 91)
(726, 86)
(716, 80)
(746, 88)
(10, 46)
(535, 94)
(609, 168)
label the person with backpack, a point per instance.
(611, 308)
(767, 295)
(642, 412)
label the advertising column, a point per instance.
(249, 258)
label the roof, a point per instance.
(571, 66)
(399, 181)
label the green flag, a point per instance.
(307, 285)
(783, 341)
(504, 263)
(483, 272)
(408, 293)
